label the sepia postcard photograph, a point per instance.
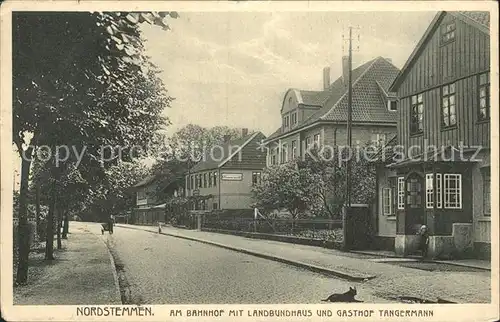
(247, 160)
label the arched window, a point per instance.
(290, 102)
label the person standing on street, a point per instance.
(111, 224)
(424, 240)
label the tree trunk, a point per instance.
(37, 208)
(23, 228)
(66, 226)
(59, 226)
(49, 246)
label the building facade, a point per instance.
(319, 118)
(149, 209)
(226, 174)
(441, 175)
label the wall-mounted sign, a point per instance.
(232, 176)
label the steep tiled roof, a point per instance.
(212, 159)
(314, 98)
(480, 17)
(368, 105)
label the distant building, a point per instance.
(320, 117)
(226, 174)
(444, 101)
(149, 209)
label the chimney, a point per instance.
(388, 59)
(326, 78)
(227, 138)
(244, 132)
(345, 70)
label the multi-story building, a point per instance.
(440, 177)
(226, 174)
(319, 117)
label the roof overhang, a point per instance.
(323, 122)
(447, 155)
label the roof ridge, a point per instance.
(354, 84)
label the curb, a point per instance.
(314, 268)
(416, 257)
(113, 269)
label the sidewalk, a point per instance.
(384, 278)
(82, 273)
(474, 263)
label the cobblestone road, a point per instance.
(167, 270)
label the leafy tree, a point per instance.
(287, 187)
(316, 184)
(79, 74)
(114, 196)
(179, 153)
(329, 169)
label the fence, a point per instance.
(326, 229)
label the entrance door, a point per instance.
(415, 213)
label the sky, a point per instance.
(234, 68)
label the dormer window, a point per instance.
(448, 32)
(286, 122)
(392, 105)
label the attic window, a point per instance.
(392, 105)
(448, 32)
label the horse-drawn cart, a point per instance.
(106, 227)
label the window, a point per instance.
(417, 114)
(486, 193)
(199, 181)
(284, 153)
(215, 179)
(214, 206)
(448, 32)
(308, 142)
(294, 118)
(256, 178)
(453, 191)
(392, 106)
(429, 191)
(290, 102)
(196, 181)
(209, 179)
(317, 140)
(439, 191)
(414, 193)
(378, 138)
(484, 96)
(448, 111)
(188, 182)
(401, 192)
(273, 158)
(286, 121)
(192, 182)
(141, 194)
(294, 149)
(387, 201)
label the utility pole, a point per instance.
(349, 120)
